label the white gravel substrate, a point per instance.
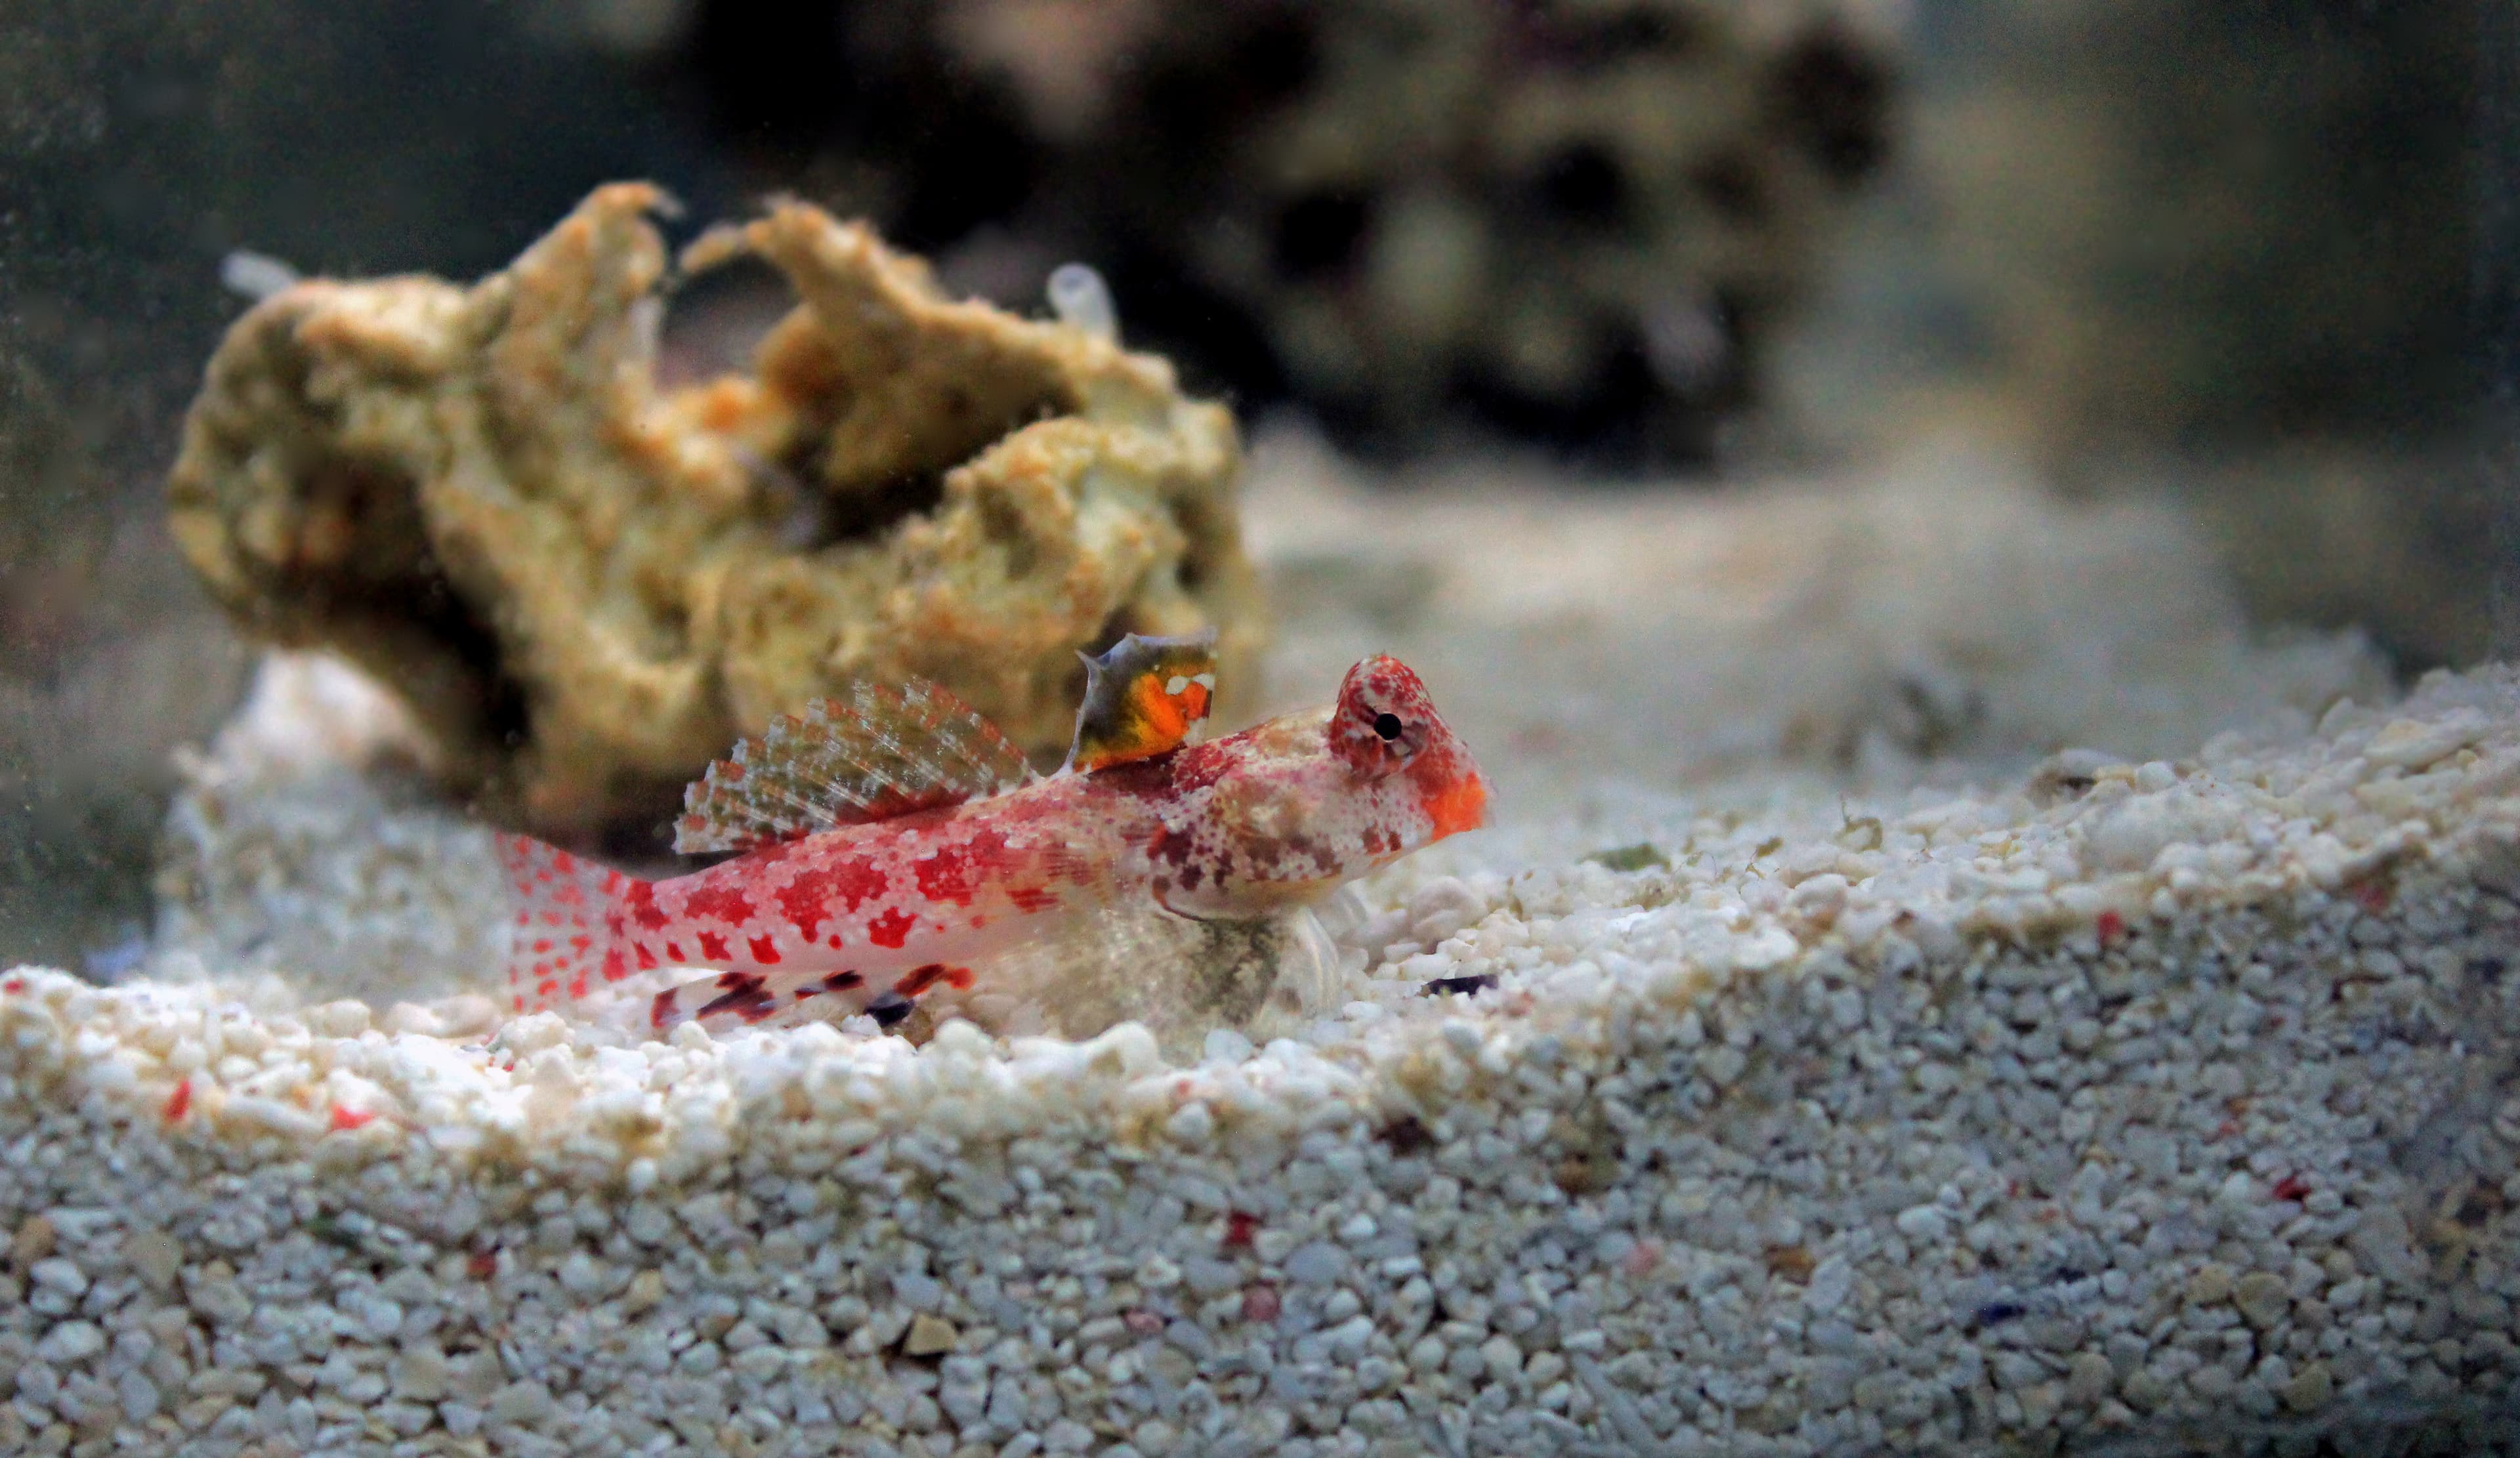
(2136, 1107)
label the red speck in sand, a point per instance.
(2372, 895)
(179, 1102)
(14, 984)
(1642, 1258)
(1239, 1230)
(347, 1118)
(1260, 1302)
(484, 1265)
(2112, 926)
(1143, 1322)
(2291, 1187)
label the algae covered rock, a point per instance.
(587, 585)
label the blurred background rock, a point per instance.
(2216, 254)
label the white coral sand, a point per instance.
(2110, 1103)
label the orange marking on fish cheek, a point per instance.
(1460, 806)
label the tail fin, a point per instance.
(563, 936)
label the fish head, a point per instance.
(1403, 757)
(1286, 812)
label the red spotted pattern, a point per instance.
(641, 903)
(874, 913)
(891, 928)
(717, 899)
(830, 891)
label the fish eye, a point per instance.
(1387, 726)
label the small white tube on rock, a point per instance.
(1079, 296)
(255, 275)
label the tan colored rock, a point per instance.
(929, 1335)
(588, 585)
(2310, 1389)
(2262, 1299)
(2211, 1285)
(32, 1242)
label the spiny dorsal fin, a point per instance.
(879, 753)
(1141, 696)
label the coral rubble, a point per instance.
(2167, 1109)
(587, 585)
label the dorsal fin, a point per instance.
(1141, 696)
(879, 753)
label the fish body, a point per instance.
(874, 913)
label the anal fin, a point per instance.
(754, 997)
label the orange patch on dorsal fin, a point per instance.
(1141, 698)
(878, 753)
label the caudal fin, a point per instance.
(562, 930)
